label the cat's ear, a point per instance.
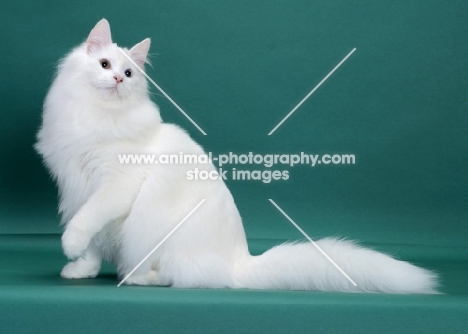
(100, 36)
(139, 52)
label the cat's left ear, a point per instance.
(100, 36)
(139, 52)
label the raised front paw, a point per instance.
(75, 242)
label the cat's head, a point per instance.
(107, 71)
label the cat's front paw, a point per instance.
(80, 269)
(74, 242)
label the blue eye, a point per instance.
(128, 73)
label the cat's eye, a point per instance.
(128, 73)
(105, 64)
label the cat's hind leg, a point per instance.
(87, 266)
(150, 278)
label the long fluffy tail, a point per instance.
(302, 267)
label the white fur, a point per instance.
(120, 212)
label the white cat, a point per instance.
(97, 108)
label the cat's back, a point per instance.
(172, 139)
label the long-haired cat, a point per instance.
(99, 107)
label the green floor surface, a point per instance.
(35, 299)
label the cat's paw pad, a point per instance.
(79, 269)
(74, 242)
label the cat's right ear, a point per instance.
(100, 36)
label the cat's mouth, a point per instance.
(112, 91)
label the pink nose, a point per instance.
(118, 78)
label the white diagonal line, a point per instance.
(313, 243)
(162, 241)
(313, 90)
(164, 93)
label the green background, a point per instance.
(399, 104)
